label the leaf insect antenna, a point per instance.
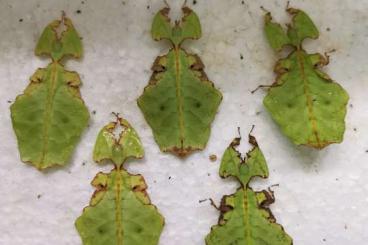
(184, 4)
(167, 5)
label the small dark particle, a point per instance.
(241, 57)
(194, 2)
(20, 20)
(328, 29)
(169, 177)
(202, 200)
(148, 7)
(94, 112)
(355, 129)
(155, 181)
(242, 2)
(324, 239)
(78, 11)
(257, 113)
(337, 179)
(208, 174)
(83, 163)
(9, 101)
(351, 105)
(366, 151)
(213, 158)
(82, 2)
(39, 196)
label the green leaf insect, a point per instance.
(120, 211)
(50, 116)
(245, 215)
(308, 106)
(179, 103)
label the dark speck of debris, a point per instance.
(194, 2)
(324, 239)
(83, 163)
(39, 196)
(9, 101)
(148, 7)
(242, 2)
(355, 129)
(351, 105)
(241, 57)
(328, 29)
(202, 200)
(366, 151)
(208, 174)
(20, 20)
(78, 11)
(94, 112)
(82, 2)
(337, 179)
(257, 113)
(169, 177)
(213, 158)
(123, 2)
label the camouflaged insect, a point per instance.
(49, 117)
(120, 211)
(179, 102)
(245, 215)
(308, 106)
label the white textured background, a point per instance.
(322, 195)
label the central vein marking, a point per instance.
(308, 96)
(178, 95)
(48, 109)
(246, 218)
(118, 213)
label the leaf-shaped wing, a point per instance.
(308, 106)
(117, 150)
(120, 212)
(232, 164)
(180, 103)
(49, 117)
(246, 219)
